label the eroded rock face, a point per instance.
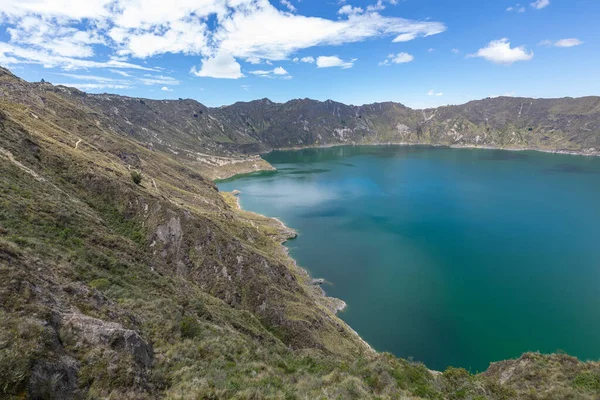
(86, 330)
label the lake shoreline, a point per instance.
(334, 304)
(593, 153)
(225, 177)
(337, 305)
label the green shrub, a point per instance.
(136, 177)
(100, 284)
(587, 381)
(190, 328)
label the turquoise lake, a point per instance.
(454, 257)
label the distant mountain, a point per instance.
(189, 128)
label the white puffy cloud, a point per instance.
(434, 93)
(400, 58)
(380, 5)
(267, 33)
(74, 34)
(539, 4)
(334, 61)
(349, 10)
(223, 65)
(377, 6)
(166, 89)
(572, 42)
(71, 9)
(500, 52)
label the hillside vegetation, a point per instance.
(126, 274)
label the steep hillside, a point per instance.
(126, 274)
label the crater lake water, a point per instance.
(454, 257)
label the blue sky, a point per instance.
(422, 53)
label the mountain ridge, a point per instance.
(188, 128)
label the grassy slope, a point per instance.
(110, 289)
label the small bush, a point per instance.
(189, 328)
(136, 177)
(100, 284)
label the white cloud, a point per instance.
(94, 86)
(434, 93)
(20, 55)
(245, 87)
(94, 78)
(539, 4)
(380, 6)
(349, 10)
(148, 80)
(334, 61)
(260, 72)
(500, 52)
(166, 89)
(400, 58)
(254, 60)
(562, 42)
(517, 8)
(377, 6)
(455, 51)
(405, 37)
(98, 82)
(288, 4)
(223, 65)
(116, 71)
(308, 60)
(568, 42)
(68, 33)
(278, 71)
(267, 33)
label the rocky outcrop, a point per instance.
(88, 331)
